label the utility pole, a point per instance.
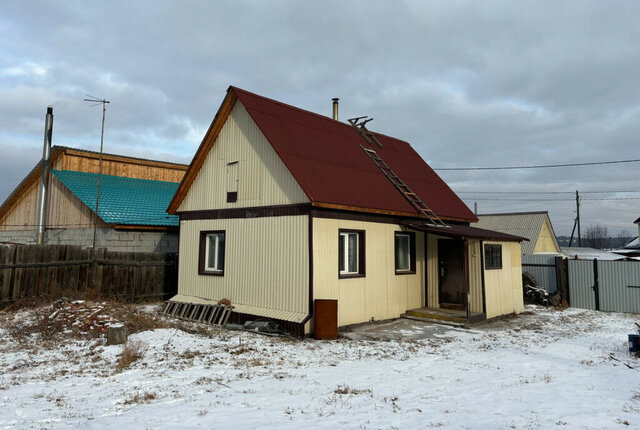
(104, 103)
(578, 217)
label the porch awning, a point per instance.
(464, 231)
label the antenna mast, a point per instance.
(104, 103)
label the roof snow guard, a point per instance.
(326, 159)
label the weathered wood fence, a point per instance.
(32, 270)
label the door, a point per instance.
(453, 291)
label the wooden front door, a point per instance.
(453, 290)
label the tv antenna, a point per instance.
(97, 101)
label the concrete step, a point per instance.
(434, 321)
(435, 315)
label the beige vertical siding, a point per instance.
(432, 270)
(546, 240)
(263, 179)
(266, 265)
(475, 275)
(503, 287)
(381, 294)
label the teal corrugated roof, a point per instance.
(123, 200)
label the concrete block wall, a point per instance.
(113, 240)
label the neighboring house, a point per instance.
(535, 226)
(282, 206)
(132, 211)
(586, 253)
(631, 249)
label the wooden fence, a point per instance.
(32, 270)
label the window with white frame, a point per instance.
(212, 246)
(350, 253)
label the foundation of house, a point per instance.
(455, 316)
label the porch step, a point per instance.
(433, 320)
(436, 316)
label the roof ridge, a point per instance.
(514, 213)
(324, 117)
(118, 155)
(113, 176)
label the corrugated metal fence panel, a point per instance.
(545, 276)
(581, 281)
(619, 286)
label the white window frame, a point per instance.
(347, 249)
(216, 259)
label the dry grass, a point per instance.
(132, 352)
(139, 398)
(345, 389)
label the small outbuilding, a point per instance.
(281, 207)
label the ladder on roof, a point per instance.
(431, 217)
(364, 131)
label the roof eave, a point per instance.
(380, 211)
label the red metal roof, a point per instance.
(326, 159)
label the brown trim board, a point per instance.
(311, 302)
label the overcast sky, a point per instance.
(466, 83)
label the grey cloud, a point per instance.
(467, 83)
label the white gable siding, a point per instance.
(263, 179)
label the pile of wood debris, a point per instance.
(535, 294)
(80, 315)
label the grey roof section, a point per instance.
(523, 224)
(635, 243)
(584, 253)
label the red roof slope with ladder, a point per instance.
(326, 159)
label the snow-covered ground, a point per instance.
(543, 369)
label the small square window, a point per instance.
(405, 252)
(493, 256)
(351, 253)
(212, 247)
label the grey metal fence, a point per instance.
(604, 285)
(543, 269)
(619, 283)
(581, 282)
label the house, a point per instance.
(535, 226)
(281, 207)
(587, 253)
(631, 249)
(132, 210)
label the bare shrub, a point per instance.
(132, 352)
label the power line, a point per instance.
(541, 166)
(547, 192)
(546, 200)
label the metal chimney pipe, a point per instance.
(335, 108)
(44, 178)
